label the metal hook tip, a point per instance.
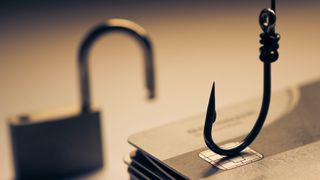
(212, 100)
(213, 89)
(213, 84)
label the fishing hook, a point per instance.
(268, 54)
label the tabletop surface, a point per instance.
(194, 44)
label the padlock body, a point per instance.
(57, 148)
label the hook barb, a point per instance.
(211, 110)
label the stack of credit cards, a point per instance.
(287, 147)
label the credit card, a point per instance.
(138, 160)
(154, 166)
(299, 163)
(146, 174)
(136, 174)
(292, 122)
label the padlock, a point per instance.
(49, 148)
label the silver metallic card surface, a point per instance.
(247, 156)
(292, 124)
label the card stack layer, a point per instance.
(286, 148)
(142, 166)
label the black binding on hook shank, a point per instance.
(112, 25)
(268, 54)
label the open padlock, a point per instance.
(70, 145)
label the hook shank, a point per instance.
(273, 5)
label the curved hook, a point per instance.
(269, 54)
(211, 117)
(111, 25)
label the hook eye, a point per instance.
(267, 20)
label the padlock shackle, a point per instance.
(112, 25)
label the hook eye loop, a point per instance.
(267, 20)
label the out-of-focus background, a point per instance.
(195, 43)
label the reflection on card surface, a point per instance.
(293, 122)
(247, 156)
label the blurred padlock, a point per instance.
(49, 147)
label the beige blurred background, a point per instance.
(195, 43)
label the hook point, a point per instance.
(213, 88)
(212, 100)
